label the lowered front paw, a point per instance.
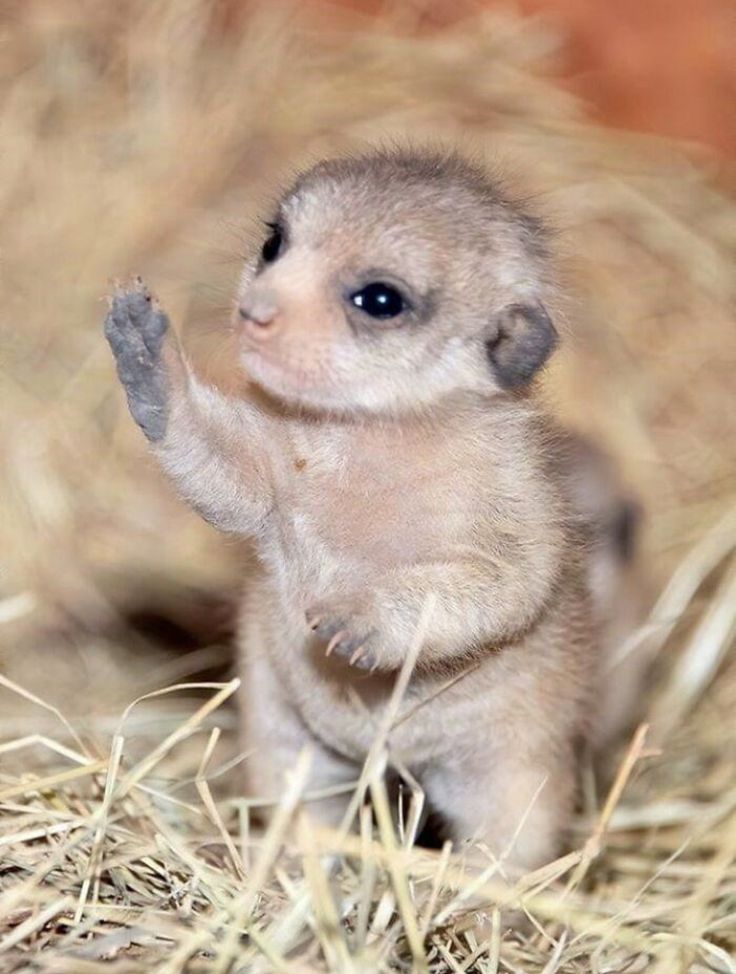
(136, 328)
(349, 630)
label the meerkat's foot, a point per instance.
(135, 328)
(350, 634)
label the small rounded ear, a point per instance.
(524, 340)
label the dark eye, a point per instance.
(379, 300)
(272, 247)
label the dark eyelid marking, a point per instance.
(421, 306)
(381, 301)
(276, 230)
(372, 275)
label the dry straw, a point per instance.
(145, 137)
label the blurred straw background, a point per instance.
(145, 137)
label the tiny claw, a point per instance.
(335, 641)
(314, 621)
(359, 652)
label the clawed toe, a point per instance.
(134, 312)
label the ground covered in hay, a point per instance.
(141, 137)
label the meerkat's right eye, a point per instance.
(379, 300)
(272, 247)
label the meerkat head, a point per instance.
(388, 281)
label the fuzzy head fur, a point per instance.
(469, 264)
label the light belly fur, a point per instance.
(478, 702)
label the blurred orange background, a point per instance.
(661, 66)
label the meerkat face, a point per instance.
(387, 282)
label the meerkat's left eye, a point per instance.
(379, 300)
(272, 247)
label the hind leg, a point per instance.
(274, 736)
(513, 806)
(516, 804)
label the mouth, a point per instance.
(285, 379)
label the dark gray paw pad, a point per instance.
(135, 328)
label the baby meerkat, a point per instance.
(399, 309)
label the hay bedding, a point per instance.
(145, 137)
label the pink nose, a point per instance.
(260, 315)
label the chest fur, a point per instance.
(378, 499)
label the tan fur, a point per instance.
(390, 461)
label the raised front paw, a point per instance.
(350, 630)
(135, 327)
